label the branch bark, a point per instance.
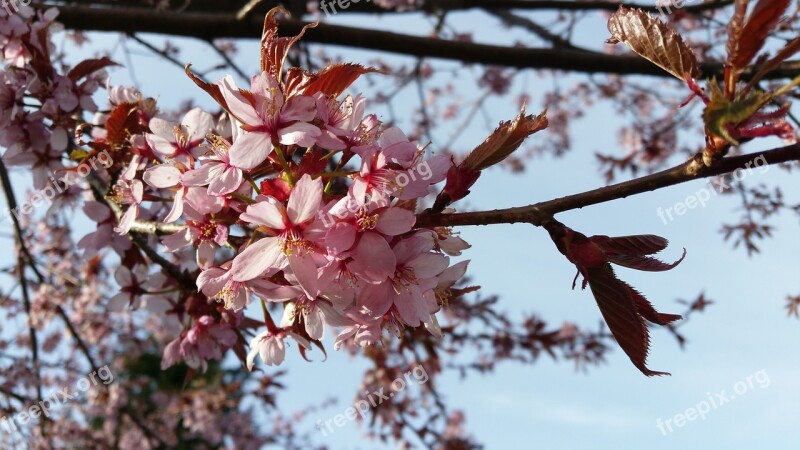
(209, 26)
(540, 213)
(245, 7)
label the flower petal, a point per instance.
(250, 150)
(256, 259)
(304, 200)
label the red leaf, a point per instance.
(212, 89)
(760, 24)
(273, 48)
(644, 262)
(653, 40)
(640, 244)
(785, 53)
(504, 140)
(89, 66)
(333, 80)
(648, 311)
(621, 313)
(123, 121)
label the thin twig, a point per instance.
(22, 252)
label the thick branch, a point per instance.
(247, 8)
(539, 213)
(208, 26)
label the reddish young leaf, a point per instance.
(90, 66)
(643, 244)
(212, 89)
(785, 53)
(334, 79)
(505, 139)
(623, 307)
(735, 26)
(623, 316)
(760, 23)
(274, 49)
(123, 121)
(644, 263)
(653, 40)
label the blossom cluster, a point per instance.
(294, 194)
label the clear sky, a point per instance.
(745, 333)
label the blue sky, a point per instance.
(614, 406)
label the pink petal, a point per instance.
(177, 241)
(340, 238)
(211, 281)
(304, 200)
(127, 219)
(162, 129)
(205, 254)
(96, 211)
(162, 176)
(257, 259)
(267, 212)
(160, 145)
(300, 133)
(123, 276)
(299, 107)
(198, 123)
(250, 150)
(412, 310)
(305, 270)
(396, 221)
(230, 180)
(177, 207)
(376, 299)
(428, 265)
(208, 172)
(373, 259)
(199, 200)
(237, 104)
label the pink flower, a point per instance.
(165, 176)
(340, 120)
(222, 174)
(104, 235)
(206, 339)
(363, 232)
(181, 142)
(131, 286)
(217, 283)
(410, 289)
(291, 237)
(267, 119)
(128, 193)
(270, 347)
(202, 232)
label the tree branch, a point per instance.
(207, 26)
(248, 8)
(539, 213)
(22, 255)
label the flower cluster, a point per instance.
(293, 195)
(38, 105)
